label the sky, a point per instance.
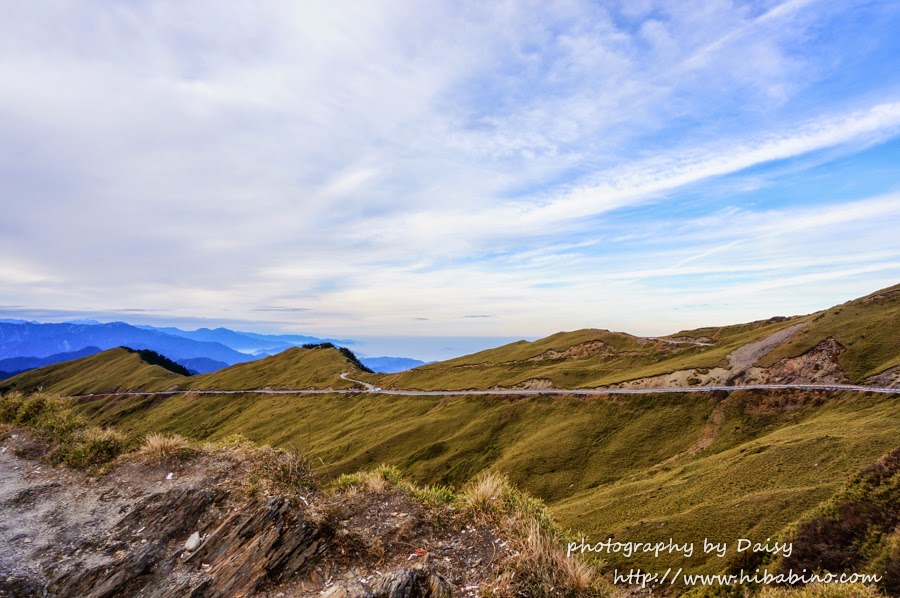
(497, 169)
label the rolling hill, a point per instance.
(16, 365)
(317, 366)
(115, 369)
(857, 342)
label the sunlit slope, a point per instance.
(867, 331)
(296, 368)
(868, 328)
(641, 467)
(580, 359)
(112, 370)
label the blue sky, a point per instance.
(447, 168)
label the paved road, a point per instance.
(444, 393)
(368, 387)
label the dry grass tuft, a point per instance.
(283, 472)
(542, 567)
(159, 448)
(491, 496)
(484, 492)
(377, 480)
(270, 470)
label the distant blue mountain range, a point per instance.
(26, 345)
(202, 365)
(16, 365)
(41, 340)
(390, 365)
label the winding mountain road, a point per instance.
(369, 388)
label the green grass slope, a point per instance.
(111, 370)
(296, 368)
(723, 467)
(869, 328)
(620, 358)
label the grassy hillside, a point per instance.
(314, 367)
(639, 468)
(594, 358)
(868, 327)
(115, 369)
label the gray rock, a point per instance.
(193, 542)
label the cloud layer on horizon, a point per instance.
(373, 169)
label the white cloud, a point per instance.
(376, 161)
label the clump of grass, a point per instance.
(9, 406)
(377, 480)
(48, 415)
(162, 448)
(270, 470)
(484, 492)
(541, 566)
(285, 472)
(59, 422)
(32, 407)
(434, 495)
(54, 420)
(492, 496)
(91, 447)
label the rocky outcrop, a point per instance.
(206, 529)
(270, 540)
(417, 582)
(170, 514)
(680, 379)
(889, 378)
(579, 351)
(819, 365)
(530, 384)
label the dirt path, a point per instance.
(744, 357)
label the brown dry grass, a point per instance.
(540, 565)
(161, 448)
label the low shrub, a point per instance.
(91, 447)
